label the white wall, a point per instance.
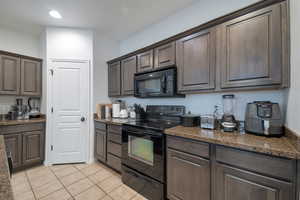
(204, 103)
(17, 42)
(194, 15)
(104, 50)
(293, 94)
(198, 13)
(68, 44)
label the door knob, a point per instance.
(82, 119)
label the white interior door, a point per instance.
(70, 98)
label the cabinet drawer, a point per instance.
(115, 129)
(100, 125)
(269, 165)
(115, 138)
(114, 148)
(21, 128)
(114, 162)
(189, 146)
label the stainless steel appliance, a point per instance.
(190, 120)
(208, 122)
(264, 118)
(158, 83)
(228, 122)
(143, 150)
(34, 107)
(18, 111)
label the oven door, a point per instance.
(143, 151)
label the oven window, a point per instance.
(149, 85)
(141, 149)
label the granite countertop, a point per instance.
(5, 186)
(115, 121)
(25, 121)
(273, 146)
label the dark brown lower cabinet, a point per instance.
(238, 184)
(108, 144)
(188, 176)
(100, 145)
(13, 143)
(33, 147)
(25, 143)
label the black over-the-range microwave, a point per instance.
(156, 83)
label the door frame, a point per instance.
(49, 157)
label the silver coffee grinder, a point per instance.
(228, 122)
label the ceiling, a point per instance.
(116, 18)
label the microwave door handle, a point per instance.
(163, 84)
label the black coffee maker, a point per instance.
(228, 122)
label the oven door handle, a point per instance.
(145, 134)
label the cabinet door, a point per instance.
(31, 77)
(9, 75)
(164, 55)
(100, 145)
(188, 176)
(128, 71)
(33, 147)
(145, 61)
(195, 58)
(251, 49)
(13, 143)
(237, 184)
(114, 79)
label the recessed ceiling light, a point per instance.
(55, 14)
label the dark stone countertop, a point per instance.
(115, 121)
(282, 147)
(20, 122)
(5, 185)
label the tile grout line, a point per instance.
(85, 176)
(106, 194)
(64, 187)
(49, 182)
(30, 185)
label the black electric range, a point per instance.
(144, 153)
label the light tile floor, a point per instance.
(71, 182)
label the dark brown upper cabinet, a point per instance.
(237, 184)
(114, 79)
(31, 77)
(128, 70)
(9, 75)
(165, 55)
(195, 58)
(244, 50)
(251, 49)
(145, 61)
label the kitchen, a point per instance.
(158, 109)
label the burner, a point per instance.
(160, 117)
(162, 125)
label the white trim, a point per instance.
(49, 120)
